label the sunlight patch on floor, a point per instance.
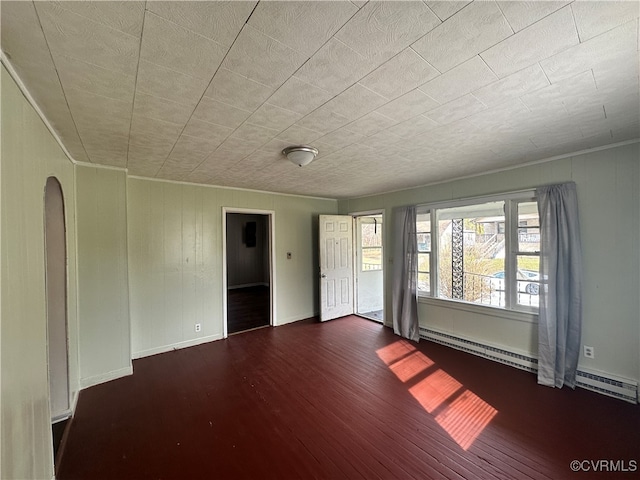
(460, 412)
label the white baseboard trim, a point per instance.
(105, 377)
(600, 382)
(176, 346)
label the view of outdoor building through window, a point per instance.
(472, 252)
(371, 238)
(423, 229)
(487, 253)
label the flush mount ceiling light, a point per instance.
(301, 155)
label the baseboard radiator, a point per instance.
(619, 388)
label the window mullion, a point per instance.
(433, 255)
(510, 280)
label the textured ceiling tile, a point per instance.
(505, 113)
(513, 86)
(172, 46)
(95, 113)
(383, 139)
(581, 84)
(234, 89)
(85, 76)
(616, 74)
(241, 146)
(522, 14)
(334, 67)
(402, 73)
(445, 8)
(273, 117)
(125, 16)
(156, 107)
(109, 149)
(208, 131)
(467, 77)
(220, 113)
(165, 83)
(626, 132)
(341, 137)
(408, 105)
(456, 110)
(19, 21)
(370, 124)
(543, 39)
(469, 32)
(593, 18)
(260, 58)
(75, 36)
(557, 137)
(323, 120)
(619, 43)
(413, 127)
(381, 29)
(303, 26)
(146, 155)
(145, 127)
(355, 102)
(324, 149)
(297, 134)
(299, 96)
(219, 21)
(189, 152)
(255, 133)
(227, 156)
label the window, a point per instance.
(423, 229)
(481, 252)
(526, 252)
(371, 243)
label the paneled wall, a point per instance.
(608, 194)
(29, 156)
(103, 290)
(175, 259)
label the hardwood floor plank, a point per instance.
(340, 399)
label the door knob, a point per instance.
(323, 276)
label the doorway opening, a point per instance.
(369, 266)
(248, 270)
(56, 308)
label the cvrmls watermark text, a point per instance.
(604, 465)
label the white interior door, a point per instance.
(336, 266)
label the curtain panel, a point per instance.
(405, 274)
(560, 309)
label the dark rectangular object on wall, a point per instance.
(250, 234)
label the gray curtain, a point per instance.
(405, 274)
(560, 312)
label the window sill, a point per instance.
(519, 316)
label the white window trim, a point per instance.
(517, 315)
(514, 311)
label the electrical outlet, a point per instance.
(198, 327)
(588, 352)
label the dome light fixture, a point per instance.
(301, 155)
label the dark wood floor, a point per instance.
(248, 308)
(340, 399)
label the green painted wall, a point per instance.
(608, 193)
(29, 155)
(176, 259)
(103, 287)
